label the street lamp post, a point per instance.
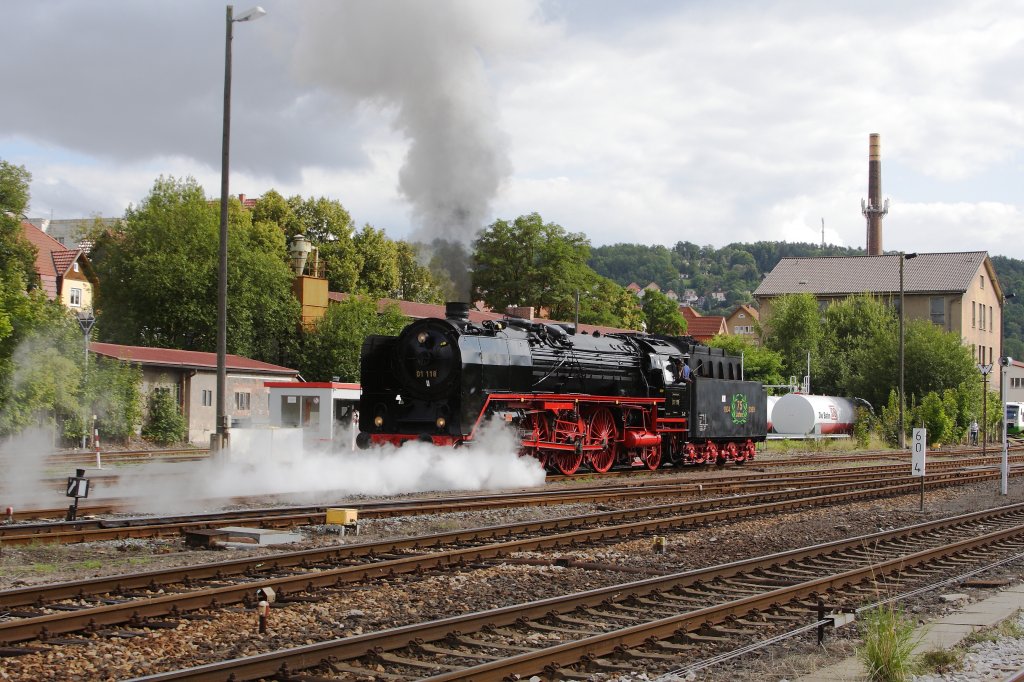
(220, 440)
(984, 369)
(902, 437)
(85, 320)
(1004, 362)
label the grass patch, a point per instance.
(1009, 627)
(943, 660)
(950, 660)
(90, 564)
(888, 645)
(43, 568)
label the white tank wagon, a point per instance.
(772, 399)
(801, 414)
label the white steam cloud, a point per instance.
(24, 467)
(303, 475)
(426, 63)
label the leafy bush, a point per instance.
(932, 414)
(166, 425)
(889, 420)
(113, 396)
(862, 427)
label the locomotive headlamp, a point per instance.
(440, 422)
(422, 337)
(378, 421)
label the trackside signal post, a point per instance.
(918, 450)
(78, 487)
(1004, 465)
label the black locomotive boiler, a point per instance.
(599, 399)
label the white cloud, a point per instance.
(706, 122)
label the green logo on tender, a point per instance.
(740, 409)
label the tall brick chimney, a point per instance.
(874, 209)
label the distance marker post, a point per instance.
(919, 449)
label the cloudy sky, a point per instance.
(645, 121)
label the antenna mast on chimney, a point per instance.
(874, 210)
(822, 234)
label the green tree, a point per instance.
(759, 363)
(530, 262)
(45, 389)
(17, 255)
(40, 344)
(794, 330)
(415, 281)
(856, 339)
(332, 348)
(113, 395)
(935, 360)
(322, 220)
(325, 222)
(931, 413)
(627, 307)
(379, 273)
(604, 302)
(274, 208)
(625, 263)
(159, 274)
(662, 314)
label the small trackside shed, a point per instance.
(322, 409)
(191, 377)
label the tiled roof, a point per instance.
(743, 307)
(62, 260)
(45, 247)
(53, 259)
(837, 276)
(689, 314)
(421, 310)
(704, 328)
(190, 359)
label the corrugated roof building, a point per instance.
(191, 376)
(957, 291)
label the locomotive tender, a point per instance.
(599, 399)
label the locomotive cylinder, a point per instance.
(640, 439)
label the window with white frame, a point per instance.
(241, 401)
(74, 266)
(75, 298)
(207, 398)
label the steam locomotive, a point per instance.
(602, 400)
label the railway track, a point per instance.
(654, 623)
(110, 478)
(97, 529)
(160, 598)
(121, 457)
